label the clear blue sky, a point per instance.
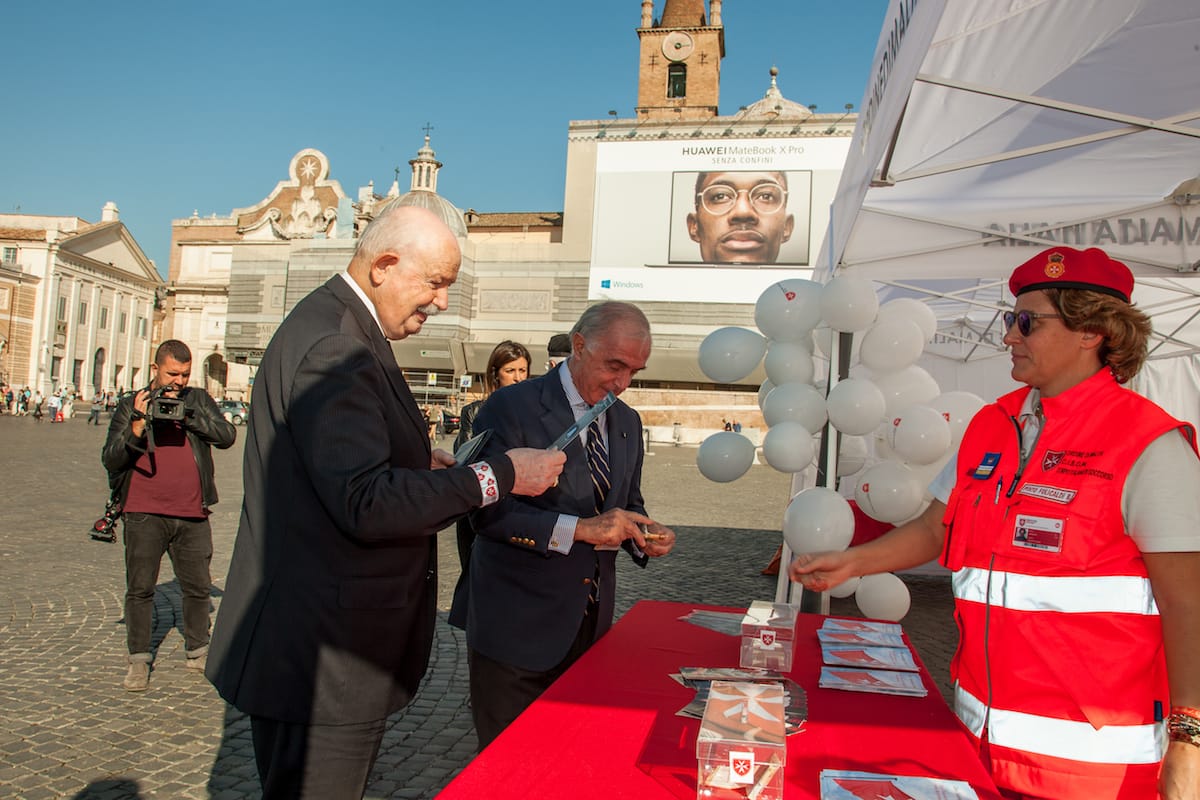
(165, 106)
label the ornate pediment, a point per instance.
(301, 207)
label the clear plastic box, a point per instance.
(768, 636)
(741, 749)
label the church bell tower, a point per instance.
(679, 71)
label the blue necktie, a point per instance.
(597, 457)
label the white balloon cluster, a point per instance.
(888, 401)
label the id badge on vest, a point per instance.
(1038, 533)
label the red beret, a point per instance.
(1068, 268)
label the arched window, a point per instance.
(98, 372)
(216, 374)
(677, 80)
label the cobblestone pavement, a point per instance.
(68, 730)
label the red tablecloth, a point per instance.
(607, 728)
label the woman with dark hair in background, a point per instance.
(508, 364)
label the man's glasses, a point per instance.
(1024, 320)
(765, 198)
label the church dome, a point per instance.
(774, 105)
(446, 211)
(423, 191)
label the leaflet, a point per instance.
(581, 424)
(860, 625)
(852, 655)
(837, 784)
(862, 638)
(875, 681)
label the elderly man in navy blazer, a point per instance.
(328, 615)
(542, 580)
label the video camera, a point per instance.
(163, 407)
(105, 528)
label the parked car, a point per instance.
(450, 421)
(234, 411)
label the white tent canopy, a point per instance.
(991, 129)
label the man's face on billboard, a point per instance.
(740, 217)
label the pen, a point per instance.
(999, 488)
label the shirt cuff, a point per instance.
(563, 535)
(489, 484)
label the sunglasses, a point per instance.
(1024, 320)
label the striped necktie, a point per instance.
(597, 457)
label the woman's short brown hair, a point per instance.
(504, 353)
(1125, 328)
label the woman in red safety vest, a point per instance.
(1069, 519)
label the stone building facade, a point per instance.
(525, 275)
(78, 304)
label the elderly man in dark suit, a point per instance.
(327, 619)
(541, 583)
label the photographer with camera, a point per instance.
(159, 460)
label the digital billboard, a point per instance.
(709, 220)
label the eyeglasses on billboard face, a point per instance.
(765, 198)
(1024, 320)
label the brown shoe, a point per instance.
(197, 663)
(137, 679)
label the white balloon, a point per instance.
(763, 391)
(823, 336)
(853, 455)
(855, 406)
(818, 519)
(787, 311)
(725, 456)
(729, 354)
(883, 596)
(880, 446)
(924, 475)
(788, 362)
(888, 492)
(795, 401)
(919, 435)
(913, 309)
(848, 303)
(957, 408)
(891, 344)
(907, 387)
(788, 446)
(845, 588)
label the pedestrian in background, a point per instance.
(558, 348)
(160, 470)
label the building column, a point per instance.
(67, 377)
(43, 340)
(110, 363)
(86, 378)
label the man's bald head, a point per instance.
(400, 228)
(405, 262)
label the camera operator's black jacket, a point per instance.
(206, 427)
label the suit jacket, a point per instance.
(328, 611)
(522, 603)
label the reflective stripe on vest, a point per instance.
(1111, 594)
(1060, 738)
